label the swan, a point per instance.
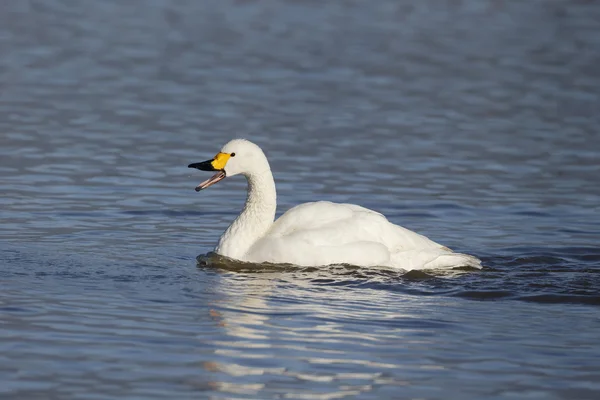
(317, 233)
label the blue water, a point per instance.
(472, 122)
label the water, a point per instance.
(473, 122)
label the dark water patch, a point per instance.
(449, 206)
(397, 323)
(531, 213)
(417, 275)
(582, 253)
(593, 300)
(532, 260)
(484, 294)
(17, 310)
(574, 231)
(410, 215)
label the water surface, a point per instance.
(472, 122)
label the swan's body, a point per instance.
(315, 234)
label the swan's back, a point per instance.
(323, 233)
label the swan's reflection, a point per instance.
(283, 331)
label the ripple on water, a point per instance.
(526, 278)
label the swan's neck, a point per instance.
(254, 221)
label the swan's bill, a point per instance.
(216, 164)
(211, 181)
(204, 165)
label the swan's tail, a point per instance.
(450, 260)
(432, 258)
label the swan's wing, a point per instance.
(314, 216)
(326, 223)
(432, 258)
(324, 233)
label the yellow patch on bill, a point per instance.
(220, 160)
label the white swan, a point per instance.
(314, 234)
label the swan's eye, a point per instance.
(232, 154)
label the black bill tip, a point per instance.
(203, 166)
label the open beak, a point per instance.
(208, 166)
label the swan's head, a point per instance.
(239, 156)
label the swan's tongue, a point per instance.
(211, 181)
